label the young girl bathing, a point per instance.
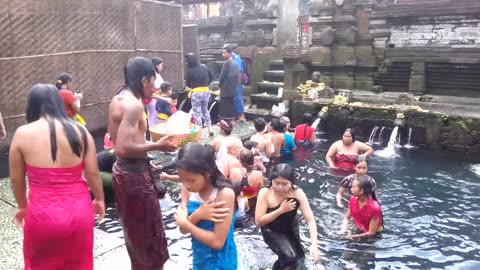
(364, 209)
(207, 209)
(361, 168)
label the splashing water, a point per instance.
(372, 135)
(389, 151)
(379, 140)
(409, 145)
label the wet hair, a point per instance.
(62, 79)
(365, 183)
(200, 159)
(247, 159)
(45, 101)
(174, 96)
(285, 171)
(307, 119)
(156, 61)
(360, 159)
(276, 125)
(283, 125)
(352, 132)
(192, 60)
(135, 70)
(250, 144)
(165, 87)
(259, 124)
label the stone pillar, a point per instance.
(417, 79)
(294, 72)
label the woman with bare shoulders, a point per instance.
(276, 215)
(251, 179)
(342, 154)
(58, 215)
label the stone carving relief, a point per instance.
(405, 99)
(327, 36)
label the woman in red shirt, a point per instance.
(364, 208)
(71, 102)
(304, 133)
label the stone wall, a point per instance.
(437, 31)
(430, 130)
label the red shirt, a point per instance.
(173, 108)
(363, 216)
(68, 99)
(303, 133)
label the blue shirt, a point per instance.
(238, 60)
(289, 145)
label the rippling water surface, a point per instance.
(431, 206)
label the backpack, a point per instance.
(245, 76)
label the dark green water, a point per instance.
(431, 206)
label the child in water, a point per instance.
(207, 209)
(364, 208)
(361, 168)
(276, 213)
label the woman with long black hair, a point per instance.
(276, 213)
(58, 214)
(364, 209)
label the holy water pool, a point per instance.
(431, 206)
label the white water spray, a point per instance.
(371, 139)
(389, 151)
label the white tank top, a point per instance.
(221, 155)
(196, 197)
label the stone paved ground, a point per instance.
(109, 251)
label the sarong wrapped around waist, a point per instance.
(140, 214)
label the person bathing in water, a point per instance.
(342, 154)
(361, 167)
(207, 209)
(364, 209)
(276, 213)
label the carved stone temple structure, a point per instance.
(381, 45)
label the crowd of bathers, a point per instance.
(221, 183)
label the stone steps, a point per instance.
(268, 87)
(276, 65)
(273, 75)
(265, 101)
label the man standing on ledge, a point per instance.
(135, 195)
(238, 99)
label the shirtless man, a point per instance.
(264, 145)
(234, 147)
(3, 132)
(136, 198)
(277, 138)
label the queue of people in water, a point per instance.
(221, 183)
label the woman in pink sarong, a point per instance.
(342, 154)
(58, 215)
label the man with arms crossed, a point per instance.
(136, 198)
